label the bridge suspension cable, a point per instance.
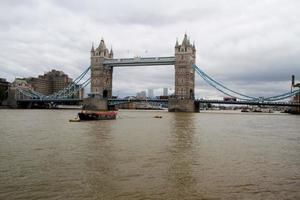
(229, 92)
(283, 96)
(220, 87)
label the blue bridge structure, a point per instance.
(28, 96)
(99, 76)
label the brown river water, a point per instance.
(220, 155)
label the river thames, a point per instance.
(221, 155)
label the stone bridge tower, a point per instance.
(101, 76)
(183, 100)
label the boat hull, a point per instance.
(97, 115)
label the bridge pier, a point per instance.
(12, 98)
(95, 104)
(183, 105)
(296, 110)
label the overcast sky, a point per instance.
(252, 46)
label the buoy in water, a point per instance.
(157, 116)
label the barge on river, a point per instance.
(94, 115)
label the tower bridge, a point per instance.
(102, 63)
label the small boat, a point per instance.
(157, 116)
(94, 115)
(74, 120)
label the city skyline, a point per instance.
(250, 46)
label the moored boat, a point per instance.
(94, 115)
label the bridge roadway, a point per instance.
(255, 103)
(139, 61)
(120, 101)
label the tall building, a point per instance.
(150, 93)
(39, 84)
(165, 91)
(51, 82)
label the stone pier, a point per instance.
(95, 104)
(182, 105)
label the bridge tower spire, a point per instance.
(101, 76)
(185, 56)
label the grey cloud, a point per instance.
(146, 13)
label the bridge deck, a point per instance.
(250, 103)
(117, 101)
(140, 61)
